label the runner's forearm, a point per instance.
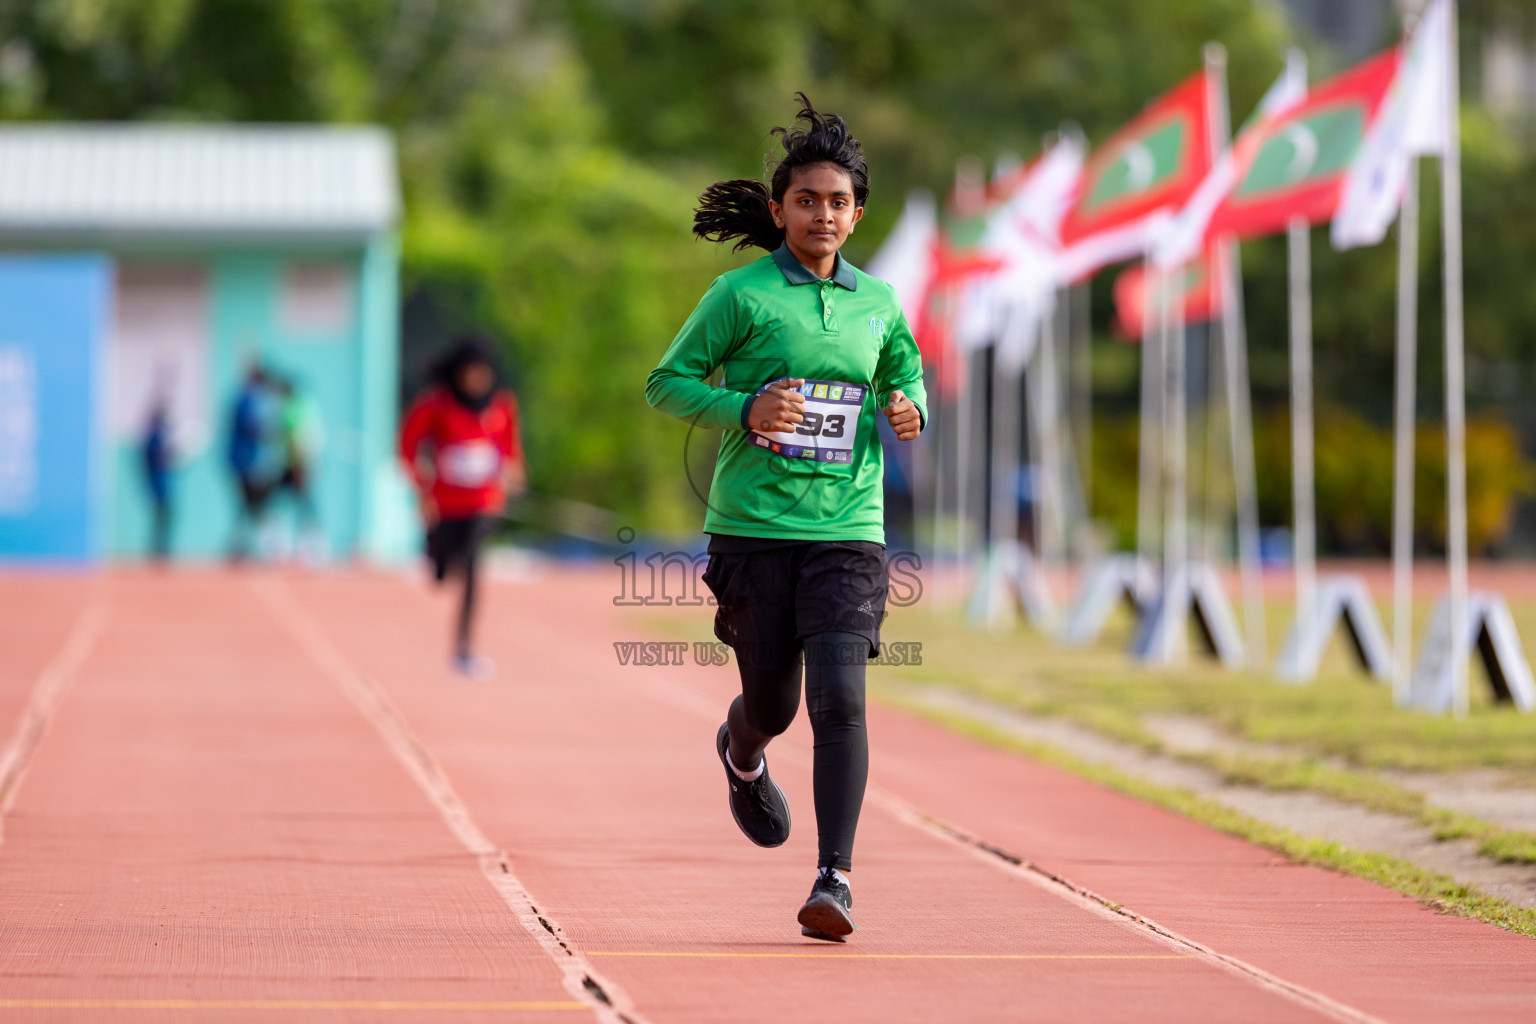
(690, 398)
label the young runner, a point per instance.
(461, 444)
(809, 348)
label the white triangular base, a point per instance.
(1342, 600)
(1491, 629)
(1011, 579)
(1122, 577)
(1194, 590)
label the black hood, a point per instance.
(466, 351)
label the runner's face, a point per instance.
(475, 379)
(818, 212)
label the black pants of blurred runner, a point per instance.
(253, 503)
(160, 526)
(453, 546)
(295, 480)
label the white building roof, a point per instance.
(177, 180)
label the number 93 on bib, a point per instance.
(827, 432)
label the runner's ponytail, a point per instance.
(738, 209)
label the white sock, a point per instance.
(841, 878)
(751, 776)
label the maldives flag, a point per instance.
(1295, 166)
(1136, 178)
(1196, 284)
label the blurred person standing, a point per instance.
(461, 444)
(253, 422)
(302, 433)
(159, 455)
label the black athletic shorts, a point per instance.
(453, 542)
(773, 594)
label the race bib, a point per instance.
(831, 422)
(469, 464)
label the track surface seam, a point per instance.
(606, 1000)
(47, 692)
(686, 698)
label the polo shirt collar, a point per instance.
(796, 272)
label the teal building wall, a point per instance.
(351, 375)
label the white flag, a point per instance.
(1182, 239)
(1414, 121)
(905, 259)
(1023, 235)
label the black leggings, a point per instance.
(834, 698)
(461, 644)
(454, 546)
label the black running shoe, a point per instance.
(759, 807)
(825, 914)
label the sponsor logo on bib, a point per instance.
(829, 426)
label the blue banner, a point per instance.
(53, 321)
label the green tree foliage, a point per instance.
(924, 84)
(522, 215)
(551, 151)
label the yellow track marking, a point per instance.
(907, 956)
(276, 1004)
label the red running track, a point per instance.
(259, 796)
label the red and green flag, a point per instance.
(1142, 173)
(1195, 284)
(1295, 165)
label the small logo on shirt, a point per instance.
(877, 327)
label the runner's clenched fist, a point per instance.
(903, 416)
(779, 408)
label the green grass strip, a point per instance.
(1435, 890)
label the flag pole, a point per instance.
(1304, 524)
(1215, 410)
(1403, 427)
(1149, 475)
(997, 470)
(963, 438)
(1011, 378)
(1304, 521)
(1053, 535)
(1176, 447)
(939, 410)
(1080, 347)
(1455, 370)
(1234, 343)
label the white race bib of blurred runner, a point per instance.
(469, 464)
(831, 423)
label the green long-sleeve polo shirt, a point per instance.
(772, 319)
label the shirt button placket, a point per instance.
(828, 319)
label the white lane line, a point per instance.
(686, 698)
(606, 1000)
(1087, 899)
(49, 689)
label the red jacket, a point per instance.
(458, 454)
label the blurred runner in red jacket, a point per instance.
(461, 445)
